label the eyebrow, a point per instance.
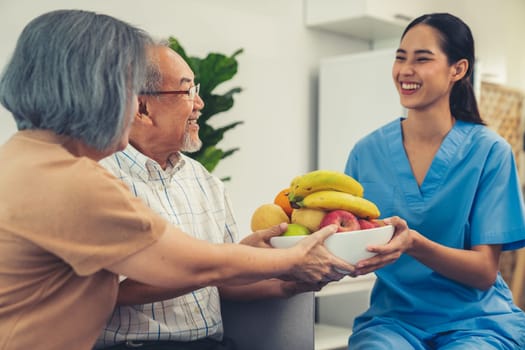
(421, 51)
(185, 80)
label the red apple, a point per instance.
(366, 224)
(345, 220)
(378, 222)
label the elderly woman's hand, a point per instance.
(317, 266)
(316, 263)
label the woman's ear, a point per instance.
(460, 68)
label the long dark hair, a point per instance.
(457, 43)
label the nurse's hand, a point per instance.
(401, 241)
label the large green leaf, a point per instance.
(215, 69)
(175, 46)
(213, 136)
(229, 152)
(218, 103)
(216, 135)
(210, 158)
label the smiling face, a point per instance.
(168, 123)
(421, 71)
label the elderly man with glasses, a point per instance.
(180, 189)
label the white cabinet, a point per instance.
(363, 19)
(331, 337)
(337, 305)
(356, 95)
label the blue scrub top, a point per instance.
(471, 195)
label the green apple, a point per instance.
(296, 230)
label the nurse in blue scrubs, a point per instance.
(450, 187)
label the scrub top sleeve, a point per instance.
(351, 164)
(498, 215)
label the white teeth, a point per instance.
(192, 121)
(410, 86)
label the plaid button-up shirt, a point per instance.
(192, 199)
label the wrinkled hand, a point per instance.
(261, 238)
(386, 254)
(316, 264)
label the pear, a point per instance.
(268, 215)
(296, 230)
(308, 217)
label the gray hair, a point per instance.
(75, 72)
(153, 79)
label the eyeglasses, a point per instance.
(191, 92)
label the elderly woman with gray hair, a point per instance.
(68, 227)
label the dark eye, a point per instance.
(423, 59)
(400, 58)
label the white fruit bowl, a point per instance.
(350, 246)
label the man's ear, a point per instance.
(143, 113)
(143, 109)
(460, 69)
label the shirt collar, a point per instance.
(148, 169)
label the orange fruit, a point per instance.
(281, 199)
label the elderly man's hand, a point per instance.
(261, 238)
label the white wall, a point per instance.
(278, 71)
(498, 29)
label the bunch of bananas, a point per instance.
(331, 190)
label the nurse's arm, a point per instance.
(477, 268)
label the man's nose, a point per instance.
(198, 103)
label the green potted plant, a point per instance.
(210, 72)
